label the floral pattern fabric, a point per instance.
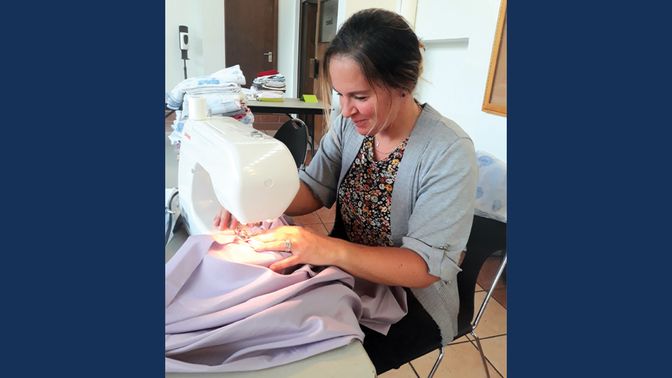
(365, 195)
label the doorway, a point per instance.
(317, 26)
(307, 56)
(251, 40)
(250, 35)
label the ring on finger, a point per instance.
(288, 245)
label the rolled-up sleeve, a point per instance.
(323, 172)
(441, 218)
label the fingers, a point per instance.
(222, 219)
(280, 233)
(224, 236)
(284, 263)
(265, 237)
(273, 245)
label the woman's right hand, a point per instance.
(224, 220)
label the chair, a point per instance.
(487, 237)
(294, 134)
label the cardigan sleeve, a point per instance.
(323, 172)
(440, 221)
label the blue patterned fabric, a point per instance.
(225, 81)
(491, 187)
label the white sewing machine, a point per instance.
(224, 163)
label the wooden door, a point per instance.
(250, 35)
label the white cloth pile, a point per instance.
(268, 87)
(223, 81)
(274, 82)
(222, 92)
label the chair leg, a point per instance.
(437, 363)
(414, 371)
(480, 350)
(488, 295)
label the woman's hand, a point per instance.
(224, 220)
(305, 246)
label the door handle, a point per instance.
(269, 54)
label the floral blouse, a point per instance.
(365, 195)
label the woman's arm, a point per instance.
(304, 202)
(385, 265)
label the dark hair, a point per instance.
(383, 44)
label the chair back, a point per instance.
(294, 134)
(487, 237)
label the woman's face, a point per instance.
(359, 101)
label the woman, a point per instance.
(403, 178)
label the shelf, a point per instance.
(436, 41)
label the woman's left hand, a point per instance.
(305, 246)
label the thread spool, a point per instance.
(198, 108)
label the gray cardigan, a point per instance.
(432, 200)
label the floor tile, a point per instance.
(495, 351)
(462, 339)
(488, 272)
(327, 215)
(493, 321)
(500, 296)
(461, 360)
(487, 276)
(329, 226)
(403, 372)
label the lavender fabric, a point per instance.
(226, 311)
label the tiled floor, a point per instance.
(461, 358)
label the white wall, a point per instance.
(205, 20)
(458, 35)
(352, 6)
(457, 59)
(288, 43)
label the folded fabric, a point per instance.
(223, 81)
(226, 311)
(231, 74)
(273, 82)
